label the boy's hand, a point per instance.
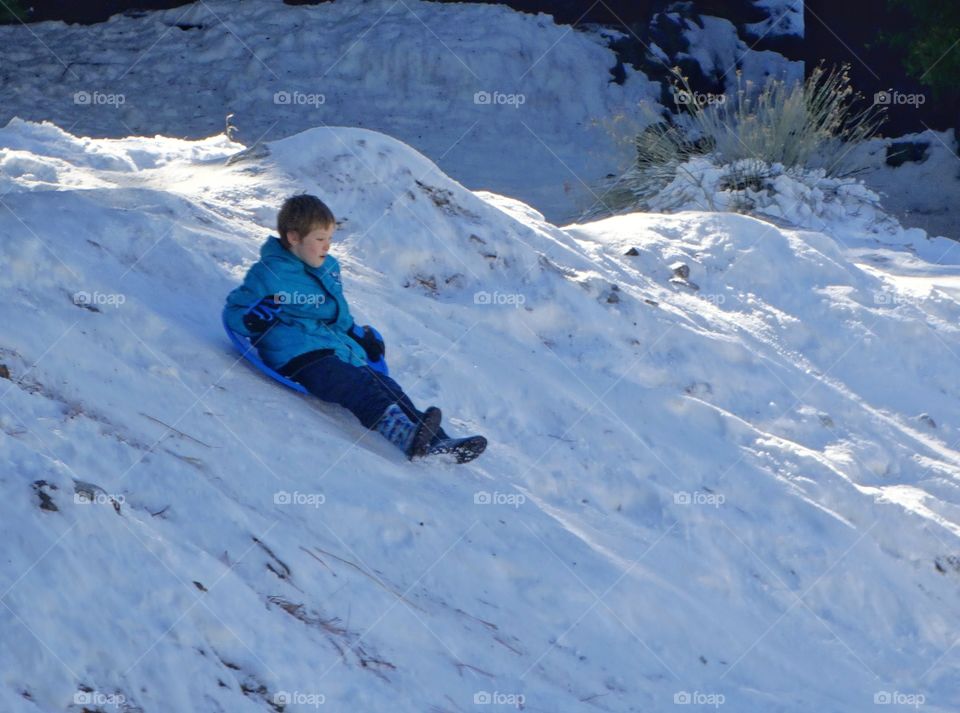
(370, 339)
(262, 315)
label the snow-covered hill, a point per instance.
(738, 488)
(503, 100)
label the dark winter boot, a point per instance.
(463, 449)
(411, 437)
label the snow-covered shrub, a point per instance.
(808, 126)
(800, 197)
(797, 125)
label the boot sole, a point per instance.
(463, 449)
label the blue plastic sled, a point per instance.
(249, 352)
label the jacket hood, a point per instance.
(273, 249)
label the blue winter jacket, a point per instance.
(314, 312)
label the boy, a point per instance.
(291, 305)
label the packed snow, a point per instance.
(723, 468)
(502, 100)
(844, 207)
(925, 192)
(718, 49)
(785, 17)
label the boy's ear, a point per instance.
(293, 236)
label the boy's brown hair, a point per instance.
(303, 213)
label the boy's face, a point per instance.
(313, 247)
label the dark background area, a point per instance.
(847, 31)
(837, 32)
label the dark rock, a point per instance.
(947, 563)
(46, 502)
(900, 152)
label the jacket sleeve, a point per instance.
(253, 289)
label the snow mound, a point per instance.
(723, 464)
(482, 88)
(801, 198)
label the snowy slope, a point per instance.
(744, 494)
